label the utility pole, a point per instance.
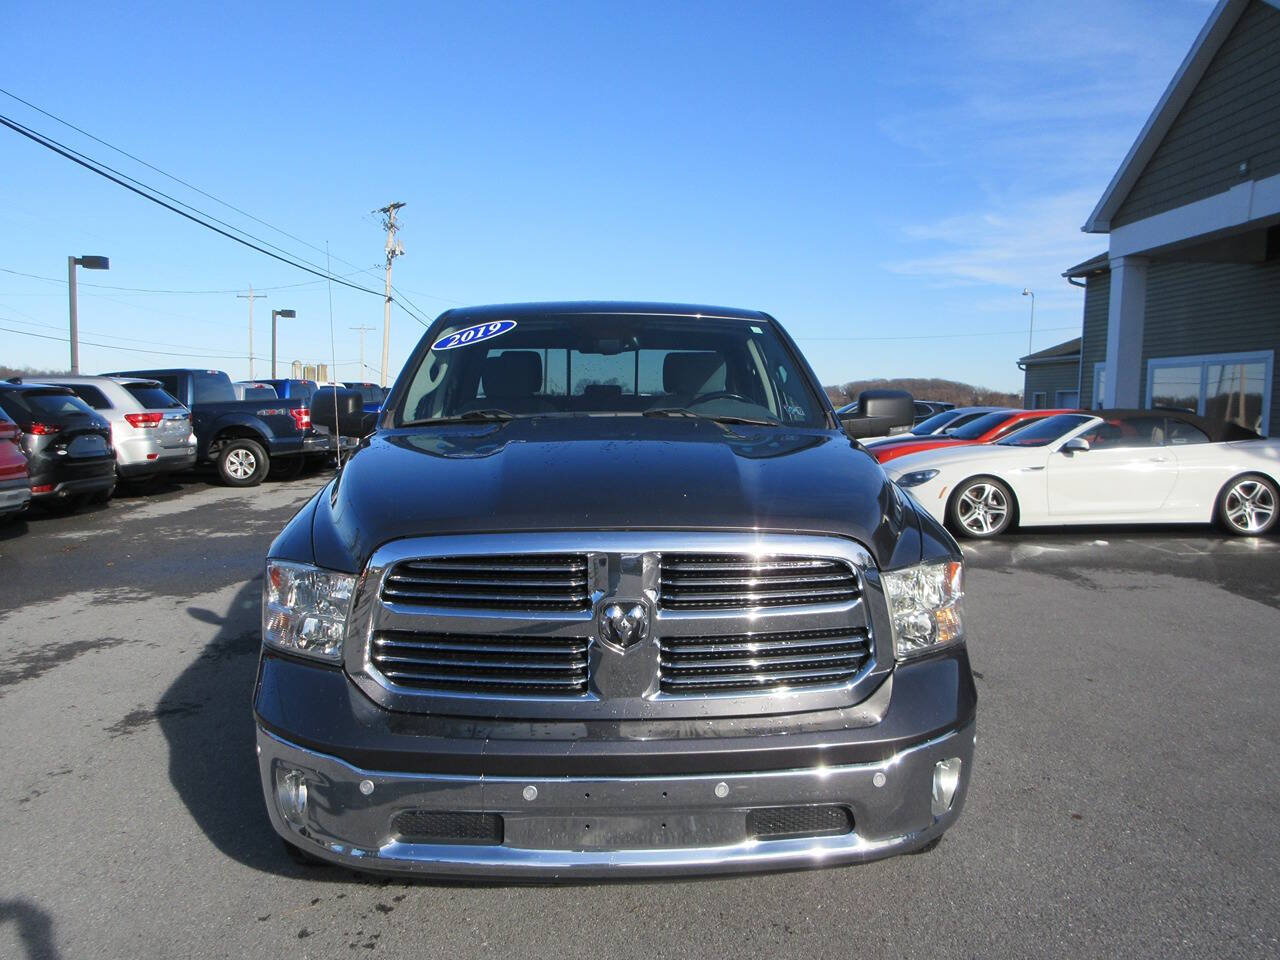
(251, 296)
(394, 249)
(362, 330)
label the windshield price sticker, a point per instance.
(469, 335)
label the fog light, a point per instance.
(291, 794)
(946, 778)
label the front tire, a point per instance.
(242, 462)
(1249, 505)
(981, 508)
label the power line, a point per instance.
(174, 178)
(107, 173)
(204, 193)
(111, 346)
(402, 300)
(116, 336)
(107, 286)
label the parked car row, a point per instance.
(69, 440)
(1072, 467)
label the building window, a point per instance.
(1067, 399)
(1038, 400)
(1225, 387)
(1099, 383)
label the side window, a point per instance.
(91, 395)
(170, 385)
(1123, 432)
(1179, 432)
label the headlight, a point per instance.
(924, 606)
(916, 478)
(305, 609)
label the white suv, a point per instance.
(150, 430)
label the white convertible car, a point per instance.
(1118, 466)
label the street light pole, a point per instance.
(288, 315)
(1027, 292)
(89, 263)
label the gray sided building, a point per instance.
(1183, 310)
(1052, 377)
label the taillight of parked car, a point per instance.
(302, 417)
(150, 420)
(45, 429)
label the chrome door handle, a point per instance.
(1159, 459)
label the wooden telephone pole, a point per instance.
(394, 249)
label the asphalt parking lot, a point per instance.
(1124, 799)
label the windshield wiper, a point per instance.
(714, 417)
(492, 414)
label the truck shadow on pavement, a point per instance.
(35, 928)
(206, 717)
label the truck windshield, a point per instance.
(619, 364)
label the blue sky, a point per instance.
(863, 171)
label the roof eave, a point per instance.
(1166, 111)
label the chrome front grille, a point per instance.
(519, 582)
(506, 665)
(758, 661)
(705, 581)
(525, 625)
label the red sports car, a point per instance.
(986, 429)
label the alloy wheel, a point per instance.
(241, 464)
(1249, 506)
(982, 509)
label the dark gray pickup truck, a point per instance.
(244, 439)
(610, 591)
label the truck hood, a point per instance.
(608, 473)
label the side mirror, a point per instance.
(878, 413)
(1076, 445)
(339, 411)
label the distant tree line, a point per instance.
(928, 388)
(28, 373)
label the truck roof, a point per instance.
(514, 311)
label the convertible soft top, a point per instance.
(1217, 430)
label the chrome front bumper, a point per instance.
(613, 826)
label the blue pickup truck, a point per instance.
(244, 439)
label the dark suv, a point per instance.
(610, 592)
(67, 444)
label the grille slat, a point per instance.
(695, 665)
(536, 582)
(526, 666)
(723, 581)
(490, 684)
(442, 644)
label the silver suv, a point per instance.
(150, 430)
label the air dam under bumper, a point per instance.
(565, 827)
